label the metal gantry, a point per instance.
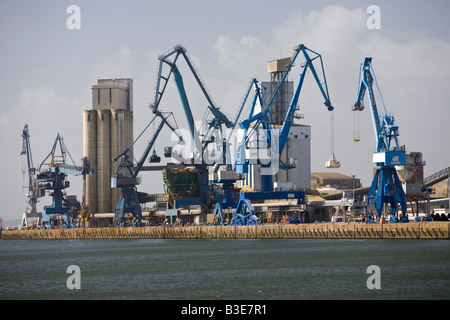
(52, 177)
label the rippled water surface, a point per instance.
(225, 269)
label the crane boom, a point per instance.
(385, 126)
(284, 132)
(164, 78)
(170, 60)
(186, 107)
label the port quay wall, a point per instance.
(352, 230)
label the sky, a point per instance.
(48, 69)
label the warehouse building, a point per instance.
(334, 180)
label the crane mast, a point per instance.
(386, 186)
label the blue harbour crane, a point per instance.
(274, 142)
(126, 176)
(34, 191)
(53, 179)
(215, 133)
(386, 187)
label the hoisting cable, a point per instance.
(154, 158)
(332, 163)
(332, 131)
(356, 126)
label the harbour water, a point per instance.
(163, 269)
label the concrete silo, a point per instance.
(90, 151)
(103, 160)
(107, 130)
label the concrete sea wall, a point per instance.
(412, 230)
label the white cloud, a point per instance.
(334, 28)
(119, 65)
(42, 99)
(46, 108)
(238, 57)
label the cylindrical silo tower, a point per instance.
(104, 160)
(90, 151)
(108, 130)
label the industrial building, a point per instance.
(334, 180)
(411, 173)
(107, 130)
